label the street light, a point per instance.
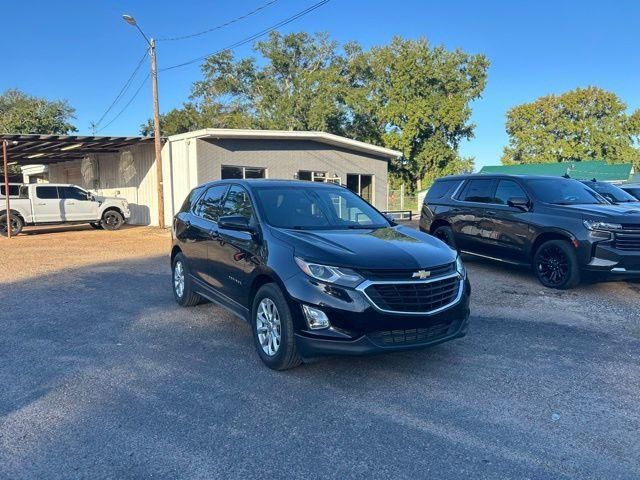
(156, 116)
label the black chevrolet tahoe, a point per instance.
(560, 227)
(315, 270)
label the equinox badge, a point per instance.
(421, 274)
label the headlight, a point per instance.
(460, 267)
(597, 225)
(326, 273)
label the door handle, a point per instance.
(71, 203)
(41, 204)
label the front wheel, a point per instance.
(15, 223)
(182, 288)
(112, 220)
(556, 265)
(272, 327)
(445, 233)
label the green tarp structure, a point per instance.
(598, 169)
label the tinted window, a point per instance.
(209, 205)
(563, 191)
(47, 192)
(14, 190)
(611, 192)
(317, 208)
(72, 193)
(237, 202)
(191, 199)
(441, 188)
(507, 190)
(478, 191)
(634, 191)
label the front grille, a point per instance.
(414, 297)
(627, 241)
(414, 336)
(405, 274)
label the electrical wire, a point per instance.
(218, 27)
(125, 87)
(135, 94)
(253, 37)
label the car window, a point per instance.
(441, 188)
(506, 190)
(563, 191)
(237, 202)
(47, 193)
(13, 190)
(634, 191)
(209, 205)
(346, 209)
(611, 192)
(72, 193)
(478, 191)
(189, 202)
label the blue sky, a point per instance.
(82, 51)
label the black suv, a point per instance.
(560, 226)
(315, 270)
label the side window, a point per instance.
(237, 202)
(441, 188)
(209, 204)
(72, 193)
(478, 191)
(506, 190)
(47, 193)
(188, 203)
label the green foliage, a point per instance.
(406, 95)
(582, 124)
(22, 113)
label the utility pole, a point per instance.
(6, 187)
(156, 118)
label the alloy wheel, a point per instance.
(268, 326)
(111, 220)
(13, 222)
(553, 265)
(178, 279)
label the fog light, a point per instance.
(316, 319)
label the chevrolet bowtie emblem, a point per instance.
(421, 274)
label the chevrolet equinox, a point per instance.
(315, 270)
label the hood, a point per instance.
(624, 213)
(103, 199)
(383, 248)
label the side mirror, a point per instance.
(519, 202)
(237, 223)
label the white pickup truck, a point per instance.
(47, 204)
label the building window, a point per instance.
(361, 184)
(232, 172)
(312, 176)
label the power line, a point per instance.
(125, 87)
(218, 27)
(135, 94)
(253, 37)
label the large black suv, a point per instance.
(315, 270)
(561, 227)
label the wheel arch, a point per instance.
(175, 251)
(438, 223)
(551, 235)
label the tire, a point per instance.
(112, 220)
(183, 292)
(445, 233)
(16, 225)
(96, 225)
(556, 266)
(286, 354)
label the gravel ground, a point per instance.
(103, 376)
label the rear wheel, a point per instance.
(556, 265)
(182, 287)
(112, 220)
(14, 221)
(273, 332)
(445, 233)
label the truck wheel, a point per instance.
(96, 225)
(445, 233)
(15, 222)
(112, 220)
(556, 265)
(272, 327)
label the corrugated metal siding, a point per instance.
(284, 158)
(140, 191)
(179, 174)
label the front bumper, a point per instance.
(609, 261)
(358, 328)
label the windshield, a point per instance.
(316, 208)
(611, 192)
(563, 191)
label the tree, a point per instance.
(582, 124)
(22, 113)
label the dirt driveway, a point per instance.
(103, 376)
